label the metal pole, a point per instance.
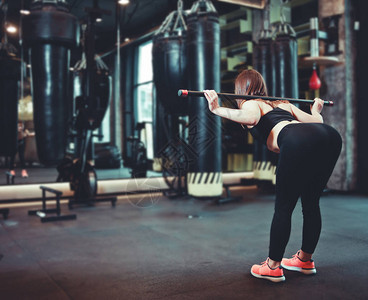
(186, 93)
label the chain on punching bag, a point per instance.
(49, 32)
(203, 48)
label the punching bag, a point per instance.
(9, 77)
(169, 62)
(314, 81)
(90, 111)
(285, 53)
(169, 74)
(263, 62)
(169, 65)
(50, 32)
(96, 105)
(203, 49)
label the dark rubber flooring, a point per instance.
(150, 247)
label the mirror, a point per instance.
(118, 117)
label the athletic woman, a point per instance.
(308, 151)
(22, 135)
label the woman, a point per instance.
(22, 134)
(308, 151)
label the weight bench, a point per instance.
(229, 198)
(42, 213)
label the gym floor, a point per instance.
(152, 247)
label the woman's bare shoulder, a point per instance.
(287, 106)
(264, 107)
(249, 104)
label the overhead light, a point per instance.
(251, 3)
(127, 40)
(123, 2)
(24, 12)
(11, 29)
(98, 20)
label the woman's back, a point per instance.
(272, 119)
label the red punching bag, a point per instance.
(314, 81)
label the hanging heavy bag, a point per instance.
(203, 49)
(50, 32)
(9, 77)
(169, 62)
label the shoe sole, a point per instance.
(273, 279)
(301, 270)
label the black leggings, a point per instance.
(308, 154)
(20, 150)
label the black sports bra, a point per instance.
(268, 121)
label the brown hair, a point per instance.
(251, 82)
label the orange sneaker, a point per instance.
(12, 172)
(24, 173)
(265, 272)
(296, 264)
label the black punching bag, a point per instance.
(263, 62)
(285, 53)
(203, 49)
(169, 62)
(169, 75)
(9, 77)
(96, 105)
(49, 32)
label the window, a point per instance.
(143, 94)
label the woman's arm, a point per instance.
(249, 114)
(27, 133)
(314, 117)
